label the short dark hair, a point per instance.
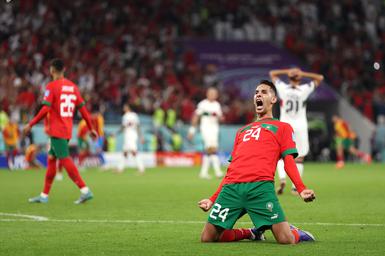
(57, 64)
(270, 84)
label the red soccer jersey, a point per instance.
(257, 148)
(62, 96)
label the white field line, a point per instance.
(31, 218)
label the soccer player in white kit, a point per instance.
(293, 111)
(209, 113)
(131, 134)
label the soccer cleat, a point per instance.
(257, 235)
(84, 197)
(304, 236)
(38, 199)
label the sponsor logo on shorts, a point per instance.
(269, 206)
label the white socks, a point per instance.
(122, 163)
(214, 160)
(138, 160)
(205, 167)
(44, 195)
(84, 190)
(139, 163)
(216, 165)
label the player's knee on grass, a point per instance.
(211, 233)
(282, 233)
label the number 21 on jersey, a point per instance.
(252, 133)
(67, 105)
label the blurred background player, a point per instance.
(131, 129)
(30, 157)
(97, 120)
(379, 138)
(209, 113)
(11, 141)
(83, 144)
(344, 139)
(61, 97)
(4, 119)
(293, 111)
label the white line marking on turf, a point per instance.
(32, 218)
(29, 217)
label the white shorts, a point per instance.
(210, 138)
(301, 138)
(130, 143)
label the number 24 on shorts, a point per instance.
(222, 214)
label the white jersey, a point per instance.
(209, 113)
(130, 122)
(293, 102)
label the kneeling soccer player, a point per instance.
(248, 186)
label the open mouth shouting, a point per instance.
(258, 104)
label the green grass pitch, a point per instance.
(157, 214)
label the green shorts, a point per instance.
(346, 143)
(83, 144)
(59, 148)
(257, 199)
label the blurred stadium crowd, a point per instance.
(131, 51)
(120, 52)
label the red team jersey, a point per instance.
(62, 96)
(257, 148)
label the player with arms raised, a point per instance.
(248, 186)
(61, 97)
(293, 111)
(209, 113)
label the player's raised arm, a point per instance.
(317, 78)
(274, 74)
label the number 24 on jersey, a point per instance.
(252, 133)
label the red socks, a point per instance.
(50, 175)
(72, 171)
(296, 235)
(231, 235)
